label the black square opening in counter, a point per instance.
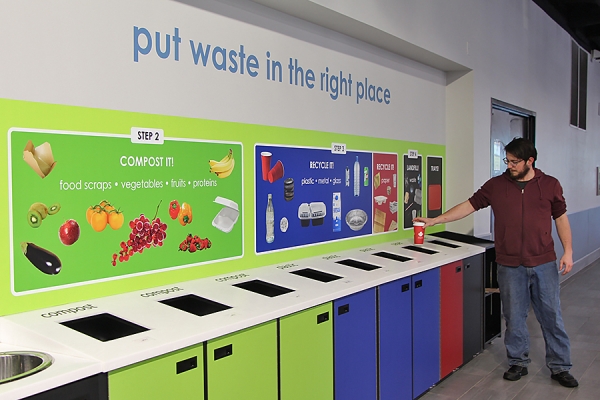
(264, 288)
(104, 327)
(392, 256)
(439, 242)
(421, 250)
(358, 264)
(195, 305)
(316, 275)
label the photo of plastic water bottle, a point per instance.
(357, 177)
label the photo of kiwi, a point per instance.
(54, 208)
(39, 211)
(34, 218)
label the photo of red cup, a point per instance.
(276, 172)
(265, 157)
(419, 229)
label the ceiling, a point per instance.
(580, 18)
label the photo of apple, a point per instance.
(69, 232)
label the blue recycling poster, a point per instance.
(315, 196)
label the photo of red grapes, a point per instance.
(144, 234)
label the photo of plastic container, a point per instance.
(228, 216)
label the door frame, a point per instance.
(528, 115)
(528, 133)
(512, 109)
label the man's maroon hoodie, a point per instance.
(523, 217)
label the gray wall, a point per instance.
(586, 239)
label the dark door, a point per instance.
(508, 122)
(426, 330)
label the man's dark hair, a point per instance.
(521, 148)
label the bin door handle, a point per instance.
(418, 283)
(186, 365)
(458, 269)
(405, 287)
(344, 309)
(224, 351)
(323, 317)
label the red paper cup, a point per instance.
(265, 158)
(276, 172)
(419, 228)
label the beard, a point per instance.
(515, 176)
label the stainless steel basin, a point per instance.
(19, 364)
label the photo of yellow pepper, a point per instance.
(185, 214)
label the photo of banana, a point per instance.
(224, 167)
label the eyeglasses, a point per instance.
(514, 163)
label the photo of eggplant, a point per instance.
(42, 259)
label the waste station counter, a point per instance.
(105, 334)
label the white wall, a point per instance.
(518, 55)
(80, 53)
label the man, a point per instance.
(524, 200)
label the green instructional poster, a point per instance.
(88, 207)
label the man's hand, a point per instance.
(457, 212)
(427, 221)
(565, 264)
(563, 228)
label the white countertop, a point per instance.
(65, 369)
(78, 356)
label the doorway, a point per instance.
(508, 122)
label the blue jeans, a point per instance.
(538, 286)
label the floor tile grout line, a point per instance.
(482, 378)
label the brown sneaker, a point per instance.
(515, 373)
(565, 379)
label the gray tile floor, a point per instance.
(482, 379)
